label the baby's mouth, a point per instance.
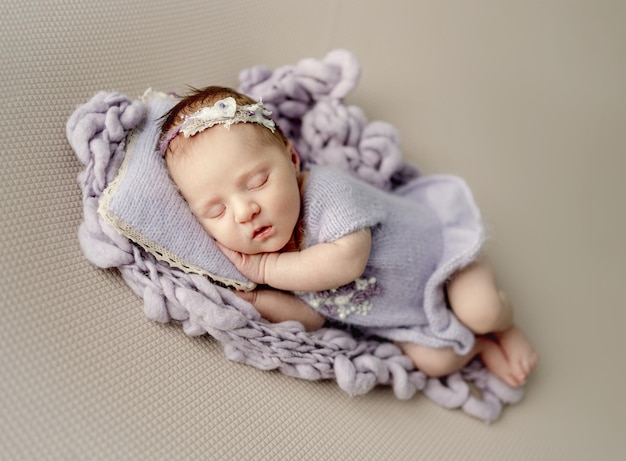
(262, 232)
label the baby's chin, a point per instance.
(266, 247)
(273, 246)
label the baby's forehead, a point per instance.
(249, 135)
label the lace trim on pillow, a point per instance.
(148, 245)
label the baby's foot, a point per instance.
(520, 354)
(496, 361)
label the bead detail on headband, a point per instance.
(223, 112)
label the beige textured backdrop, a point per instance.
(524, 99)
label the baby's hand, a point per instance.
(251, 266)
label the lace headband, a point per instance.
(223, 112)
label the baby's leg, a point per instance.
(437, 363)
(478, 304)
(476, 301)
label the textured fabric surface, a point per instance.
(525, 100)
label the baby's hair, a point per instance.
(199, 98)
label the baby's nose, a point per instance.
(246, 211)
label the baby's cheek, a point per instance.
(214, 233)
(206, 228)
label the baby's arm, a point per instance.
(320, 267)
(279, 306)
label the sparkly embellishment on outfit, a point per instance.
(353, 298)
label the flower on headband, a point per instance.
(223, 112)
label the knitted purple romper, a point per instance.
(422, 233)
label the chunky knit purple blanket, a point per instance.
(307, 101)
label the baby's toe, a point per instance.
(530, 363)
(520, 371)
(521, 377)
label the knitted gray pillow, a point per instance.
(143, 204)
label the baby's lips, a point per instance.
(262, 232)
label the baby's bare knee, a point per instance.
(482, 312)
(438, 369)
(435, 363)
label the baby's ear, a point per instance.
(293, 154)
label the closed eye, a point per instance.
(215, 211)
(258, 180)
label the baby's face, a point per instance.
(244, 191)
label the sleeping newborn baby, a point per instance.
(402, 265)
